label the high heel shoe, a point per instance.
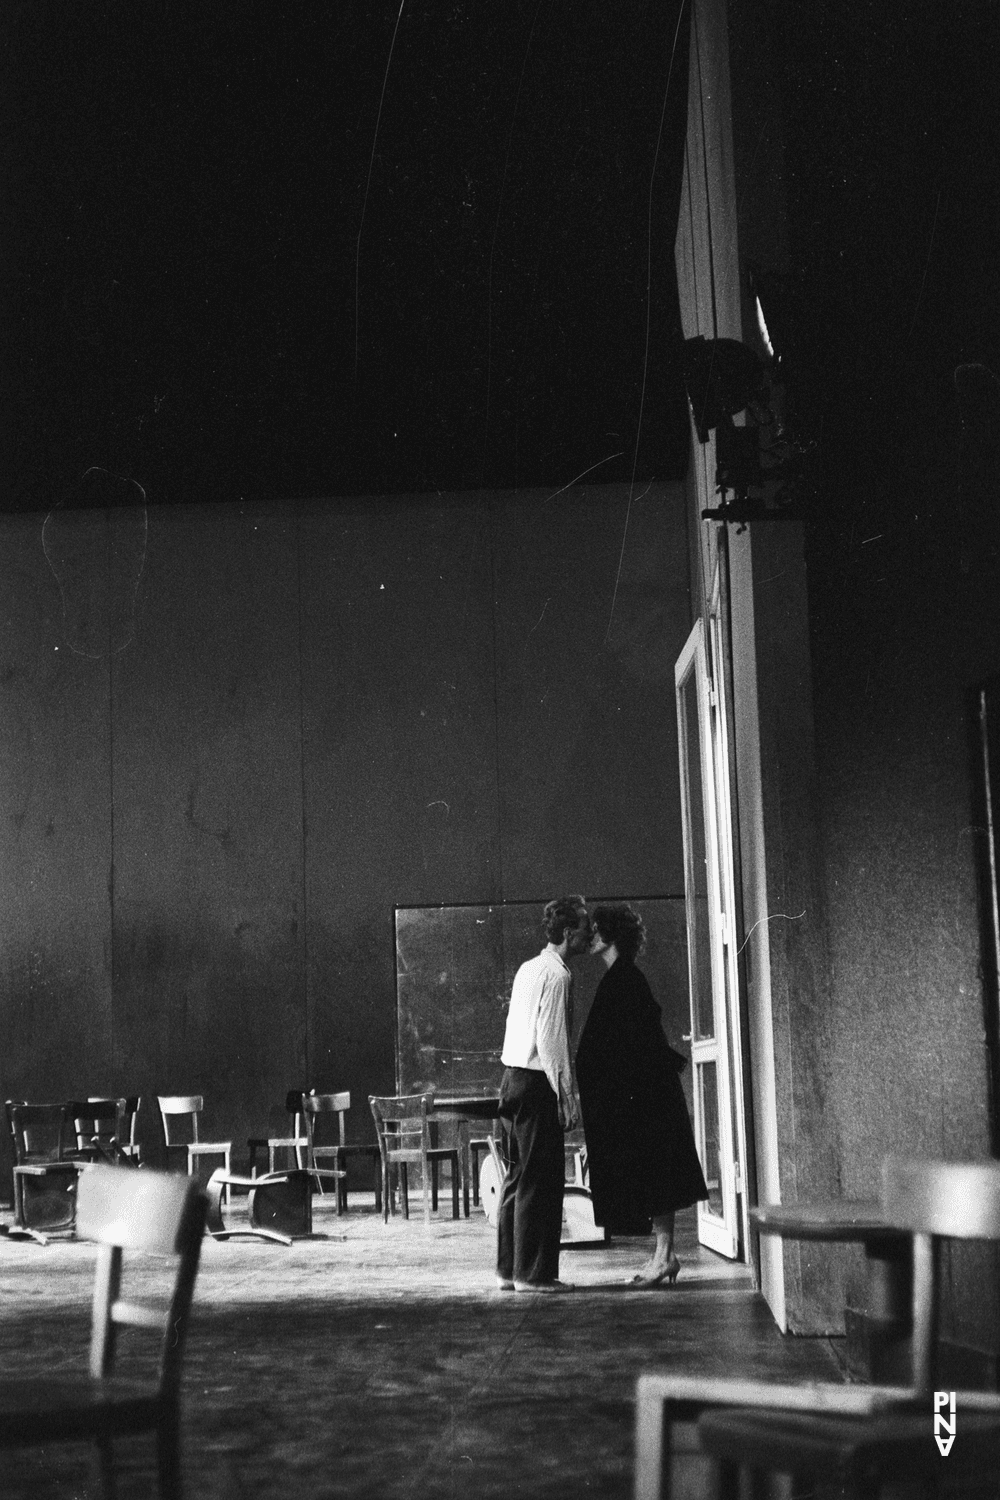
(669, 1273)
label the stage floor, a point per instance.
(380, 1361)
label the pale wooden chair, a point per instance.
(403, 1126)
(935, 1201)
(760, 1425)
(175, 1108)
(148, 1212)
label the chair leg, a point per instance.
(168, 1457)
(728, 1474)
(653, 1434)
(455, 1174)
(404, 1189)
(106, 1462)
(434, 1185)
(386, 1190)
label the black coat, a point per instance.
(640, 1145)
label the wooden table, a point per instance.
(464, 1109)
(888, 1252)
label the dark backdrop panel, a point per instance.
(285, 729)
(55, 990)
(399, 758)
(451, 998)
(209, 934)
(586, 728)
(454, 969)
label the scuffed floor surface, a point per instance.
(379, 1361)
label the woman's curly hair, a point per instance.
(620, 925)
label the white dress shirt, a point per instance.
(537, 1034)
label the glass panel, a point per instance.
(703, 1010)
(711, 1164)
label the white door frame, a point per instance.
(719, 1219)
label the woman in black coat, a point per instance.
(640, 1146)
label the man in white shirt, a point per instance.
(537, 1104)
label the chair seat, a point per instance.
(857, 1451)
(35, 1408)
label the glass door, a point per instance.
(711, 964)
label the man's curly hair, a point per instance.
(561, 913)
(620, 925)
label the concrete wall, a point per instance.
(236, 737)
(785, 961)
(879, 259)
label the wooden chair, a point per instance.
(127, 1143)
(927, 1200)
(403, 1126)
(45, 1176)
(98, 1123)
(148, 1212)
(295, 1144)
(177, 1107)
(315, 1106)
(279, 1206)
(481, 1145)
(934, 1201)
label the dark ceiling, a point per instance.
(282, 248)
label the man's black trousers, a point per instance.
(529, 1221)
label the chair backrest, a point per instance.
(402, 1123)
(153, 1212)
(96, 1122)
(40, 1132)
(173, 1106)
(129, 1117)
(956, 1200)
(314, 1105)
(937, 1200)
(293, 1107)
